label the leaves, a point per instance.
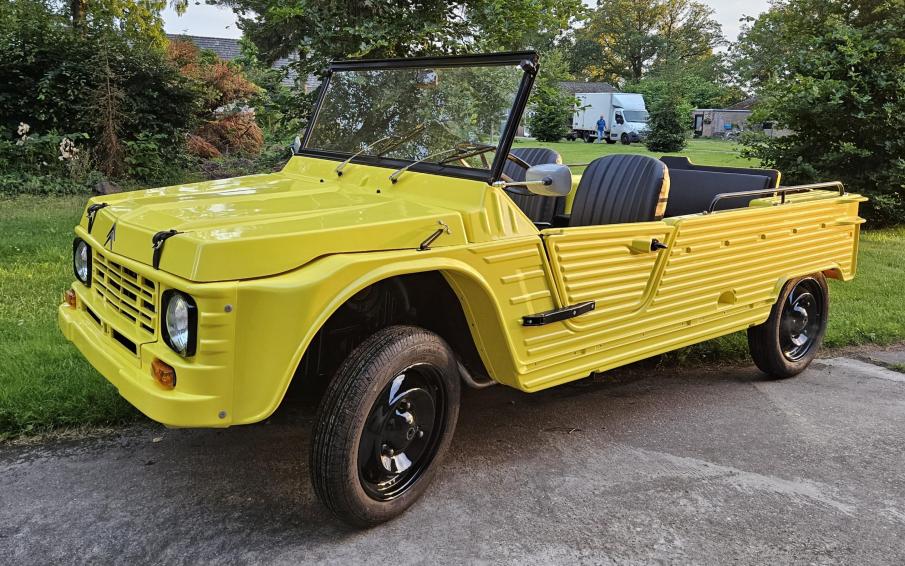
(833, 72)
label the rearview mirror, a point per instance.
(549, 180)
(296, 145)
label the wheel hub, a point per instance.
(400, 435)
(801, 320)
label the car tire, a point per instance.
(384, 424)
(625, 139)
(788, 341)
(588, 138)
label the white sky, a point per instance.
(214, 21)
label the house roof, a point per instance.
(746, 104)
(229, 49)
(579, 86)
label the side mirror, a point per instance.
(296, 145)
(549, 180)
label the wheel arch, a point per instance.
(460, 287)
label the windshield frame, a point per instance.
(526, 60)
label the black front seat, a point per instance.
(537, 208)
(621, 188)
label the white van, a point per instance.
(625, 115)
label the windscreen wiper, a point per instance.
(453, 152)
(403, 137)
(341, 166)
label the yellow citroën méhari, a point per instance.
(407, 248)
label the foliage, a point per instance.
(93, 79)
(834, 73)
(273, 102)
(551, 114)
(550, 108)
(226, 122)
(667, 134)
(634, 37)
(705, 83)
(318, 31)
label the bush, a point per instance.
(667, 134)
(113, 89)
(552, 114)
(51, 163)
(832, 72)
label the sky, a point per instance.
(214, 21)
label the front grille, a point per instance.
(125, 291)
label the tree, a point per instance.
(226, 125)
(92, 80)
(317, 31)
(832, 71)
(667, 134)
(551, 108)
(636, 36)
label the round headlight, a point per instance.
(179, 323)
(81, 261)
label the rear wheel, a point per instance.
(588, 138)
(788, 341)
(384, 424)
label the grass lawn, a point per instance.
(45, 383)
(702, 152)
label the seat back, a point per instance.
(691, 191)
(676, 162)
(621, 188)
(537, 208)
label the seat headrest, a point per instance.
(621, 188)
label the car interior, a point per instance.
(623, 188)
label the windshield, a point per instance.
(635, 115)
(451, 116)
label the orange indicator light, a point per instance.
(164, 374)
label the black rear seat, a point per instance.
(691, 191)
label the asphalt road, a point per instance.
(640, 466)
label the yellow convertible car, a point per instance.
(407, 248)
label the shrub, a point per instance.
(667, 134)
(832, 72)
(552, 114)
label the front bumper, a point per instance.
(132, 376)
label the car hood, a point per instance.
(262, 225)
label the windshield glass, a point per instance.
(444, 115)
(635, 115)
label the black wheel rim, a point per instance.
(402, 432)
(801, 320)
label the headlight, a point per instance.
(180, 322)
(81, 261)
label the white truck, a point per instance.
(625, 115)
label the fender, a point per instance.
(326, 285)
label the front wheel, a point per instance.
(384, 424)
(786, 343)
(625, 139)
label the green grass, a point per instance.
(45, 383)
(702, 152)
